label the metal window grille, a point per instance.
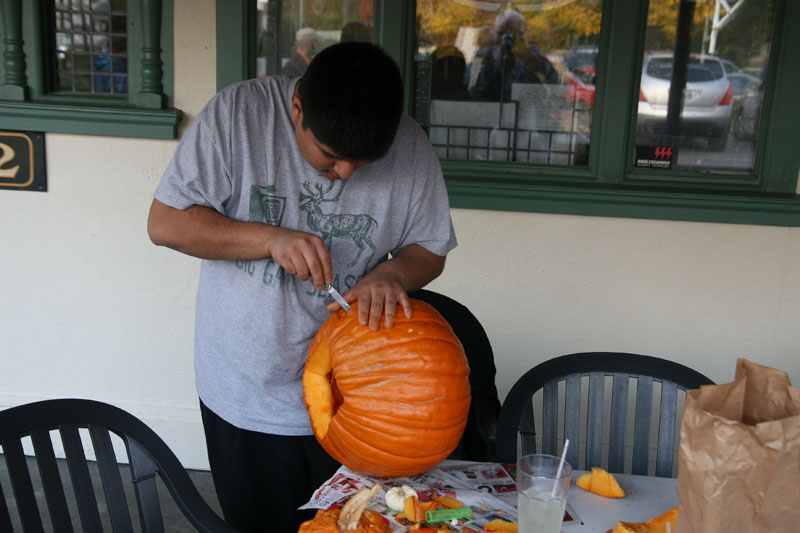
(91, 45)
(461, 135)
(508, 140)
(509, 144)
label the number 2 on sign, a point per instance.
(7, 154)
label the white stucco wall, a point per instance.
(90, 308)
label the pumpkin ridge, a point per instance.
(403, 364)
(388, 378)
(409, 372)
(367, 405)
(426, 434)
(421, 421)
(388, 451)
(398, 395)
(353, 381)
(425, 349)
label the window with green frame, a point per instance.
(607, 182)
(100, 67)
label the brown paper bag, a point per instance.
(739, 459)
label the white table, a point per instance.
(645, 498)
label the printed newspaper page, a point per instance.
(485, 504)
(488, 489)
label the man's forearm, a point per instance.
(202, 232)
(414, 267)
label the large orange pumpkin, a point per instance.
(391, 402)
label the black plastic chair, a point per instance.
(477, 444)
(585, 376)
(147, 453)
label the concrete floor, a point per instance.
(174, 521)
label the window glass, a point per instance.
(291, 32)
(700, 92)
(91, 46)
(509, 82)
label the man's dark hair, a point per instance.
(352, 98)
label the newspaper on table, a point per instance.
(486, 488)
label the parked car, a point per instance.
(582, 61)
(730, 67)
(743, 84)
(707, 104)
(582, 94)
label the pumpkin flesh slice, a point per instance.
(601, 483)
(319, 394)
(654, 525)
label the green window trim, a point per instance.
(609, 186)
(26, 103)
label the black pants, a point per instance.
(262, 479)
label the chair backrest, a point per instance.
(599, 383)
(477, 444)
(148, 455)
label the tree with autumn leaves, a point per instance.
(556, 28)
(559, 25)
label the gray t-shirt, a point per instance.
(254, 321)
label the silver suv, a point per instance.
(707, 102)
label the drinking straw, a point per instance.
(560, 468)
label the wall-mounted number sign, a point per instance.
(22, 161)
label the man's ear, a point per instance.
(297, 109)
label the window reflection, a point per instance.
(91, 47)
(509, 81)
(291, 32)
(701, 86)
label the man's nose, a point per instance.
(343, 169)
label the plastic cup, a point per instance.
(542, 493)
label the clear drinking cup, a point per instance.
(542, 493)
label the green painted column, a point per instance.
(15, 84)
(152, 93)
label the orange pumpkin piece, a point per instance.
(410, 509)
(499, 525)
(654, 525)
(325, 522)
(448, 502)
(426, 506)
(600, 482)
(391, 402)
(419, 514)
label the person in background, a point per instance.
(356, 31)
(510, 59)
(306, 43)
(283, 185)
(486, 34)
(448, 74)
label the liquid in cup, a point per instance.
(541, 497)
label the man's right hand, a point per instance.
(202, 232)
(303, 254)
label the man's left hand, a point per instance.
(385, 288)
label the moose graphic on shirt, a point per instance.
(359, 228)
